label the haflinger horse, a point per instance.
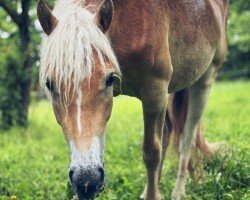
(93, 50)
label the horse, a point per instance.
(166, 53)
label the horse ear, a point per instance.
(105, 15)
(117, 88)
(47, 20)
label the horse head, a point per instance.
(78, 70)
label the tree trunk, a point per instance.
(25, 53)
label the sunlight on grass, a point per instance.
(34, 162)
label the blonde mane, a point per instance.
(67, 53)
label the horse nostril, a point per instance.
(101, 171)
(71, 173)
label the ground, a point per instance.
(34, 162)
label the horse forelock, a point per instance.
(67, 54)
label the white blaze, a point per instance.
(79, 111)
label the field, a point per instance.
(34, 162)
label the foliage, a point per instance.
(239, 39)
(34, 162)
(239, 23)
(10, 75)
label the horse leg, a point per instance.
(197, 100)
(154, 101)
(165, 142)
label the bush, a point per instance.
(10, 90)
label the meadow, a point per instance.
(34, 161)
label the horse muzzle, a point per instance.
(87, 183)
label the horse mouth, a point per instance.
(99, 190)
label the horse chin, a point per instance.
(97, 194)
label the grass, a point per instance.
(34, 162)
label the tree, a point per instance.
(22, 21)
(19, 46)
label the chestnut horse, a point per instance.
(156, 47)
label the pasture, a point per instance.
(34, 162)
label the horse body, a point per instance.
(143, 33)
(163, 46)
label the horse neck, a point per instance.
(138, 5)
(135, 23)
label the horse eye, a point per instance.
(110, 80)
(49, 85)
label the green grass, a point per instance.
(34, 162)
